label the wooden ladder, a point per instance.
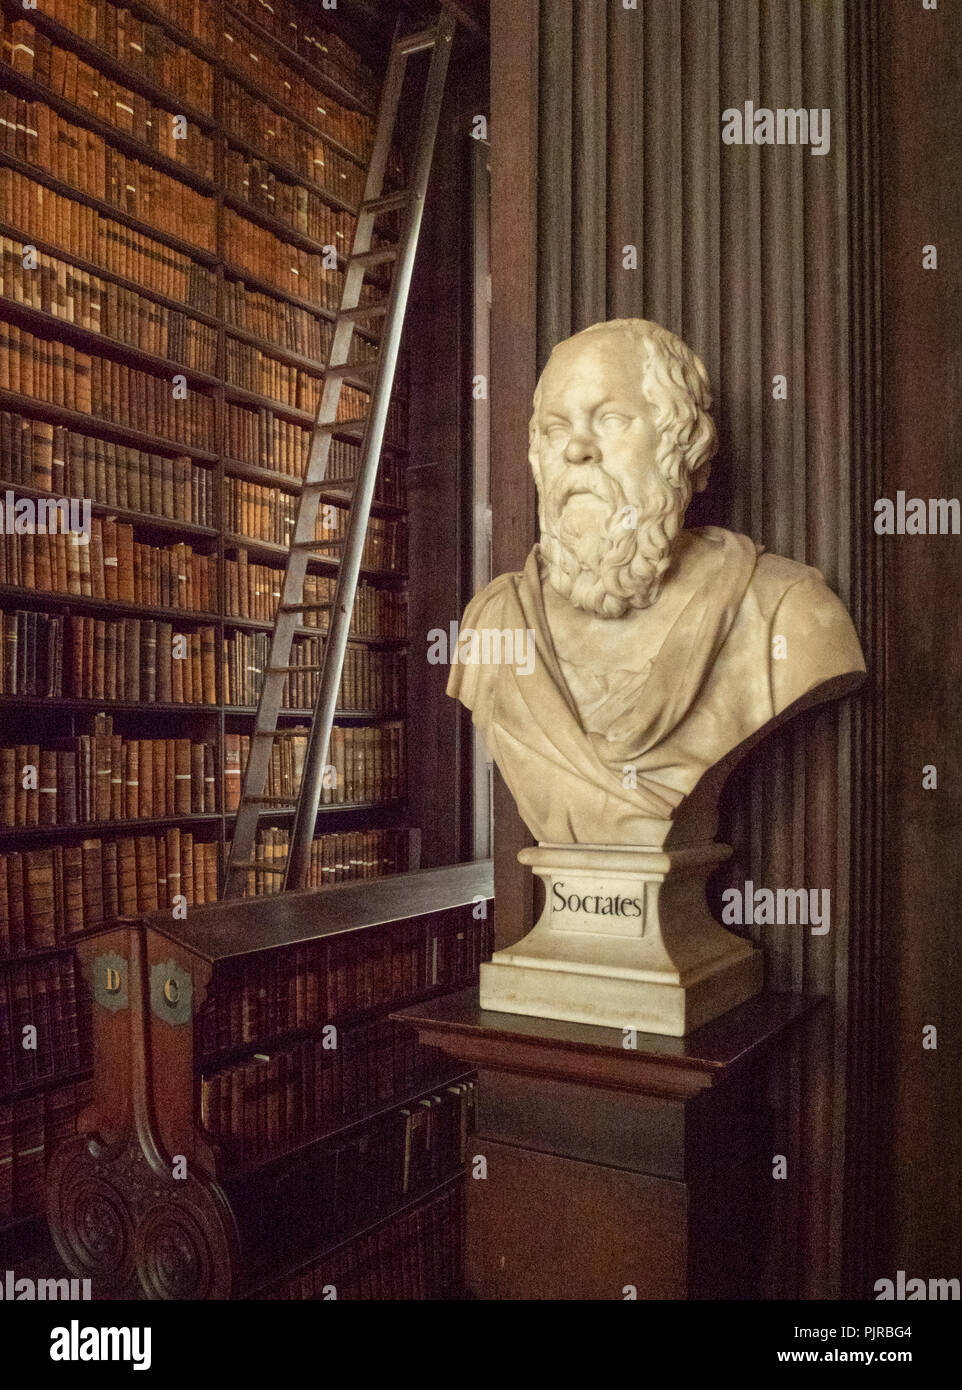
(369, 429)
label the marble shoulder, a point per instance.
(472, 683)
(484, 608)
(813, 640)
(775, 576)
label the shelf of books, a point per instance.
(325, 1147)
(177, 185)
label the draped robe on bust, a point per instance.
(707, 690)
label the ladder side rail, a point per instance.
(270, 698)
(349, 570)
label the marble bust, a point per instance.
(661, 655)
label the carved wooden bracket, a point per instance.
(133, 1199)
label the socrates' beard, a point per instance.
(610, 569)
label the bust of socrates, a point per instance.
(661, 654)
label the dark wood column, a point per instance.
(438, 333)
(920, 959)
(514, 301)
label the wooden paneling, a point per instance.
(762, 258)
(544, 1227)
(862, 1194)
(919, 954)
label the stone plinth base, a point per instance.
(625, 941)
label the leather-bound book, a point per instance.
(208, 656)
(133, 659)
(210, 784)
(177, 667)
(73, 564)
(93, 899)
(232, 772)
(182, 777)
(150, 805)
(174, 877)
(163, 650)
(67, 809)
(90, 556)
(17, 896)
(116, 806)
(127, 876)
(125, 562)
(38, 881)
(210, 872)
(187, 866)
(73, 897)
(146, 873)
(47, 791)
(111, 562)
(148, 670)
(98, 675)
(163, 763)
(32, 793)
(108, 686)
(8, 782)
(109, 868)
(103, 733)
(11, 626)
(4, 912)
(197, 785)
(191, 672)
(160, 858)
(66, 980)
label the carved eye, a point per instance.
(556, 434)
(613, 423)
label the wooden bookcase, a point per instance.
(238, 1144)
(62, 1060)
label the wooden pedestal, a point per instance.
(609, 1171)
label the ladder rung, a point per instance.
(356, 422)
(390, 202)
(354, 429)
(381, 255)
(417, 43)
(283, 670)
(261, 868)
(342, 485)
(365, 311)
(350, 369)
(279, 733)
(307, 608)
(316, 544)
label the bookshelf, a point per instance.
(160, 355)
(256, 1111)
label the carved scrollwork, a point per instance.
(116, 1221)
(90, 1220)
(181, 1248)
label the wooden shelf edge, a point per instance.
(82, 423)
